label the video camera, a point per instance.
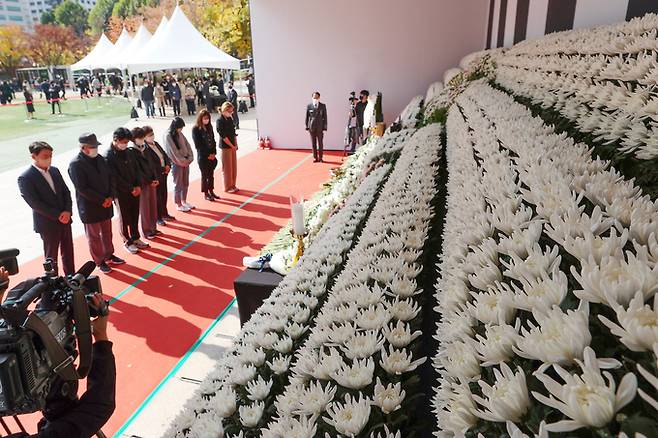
(37, 346)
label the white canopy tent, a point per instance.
(134, 49)
(111, 58)
(181, 46)
(96, 56)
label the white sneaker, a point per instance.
(189, 206)
(132, 249)
(141, 244)
(182, 208)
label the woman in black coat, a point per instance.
(204, 142)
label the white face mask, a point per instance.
(122, 146)
(93, 153)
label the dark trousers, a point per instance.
(176, 105)
(317, 138)
(128, 217)
(236, 119)
(167, 98)
(56, 240)
(207, 168)
(251, 100)
(191, 108)
(99, 238)
(56, 102)
(161, 196)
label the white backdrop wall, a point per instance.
(337, 46)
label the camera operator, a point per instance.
(66, 415)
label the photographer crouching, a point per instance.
(36, 356)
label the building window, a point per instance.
(16, 18)
(3, 17)
(14, 8)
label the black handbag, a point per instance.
(139, 103)
(133, 113)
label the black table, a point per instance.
(252, 288)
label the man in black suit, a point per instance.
(45, 191)
(94, 192)
(316, 124)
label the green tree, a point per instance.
(71, 13)
(226, 23)
(99, 15)
(48, 17)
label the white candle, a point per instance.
(297, 210)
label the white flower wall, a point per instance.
(545, 296)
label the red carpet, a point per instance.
(156, 321)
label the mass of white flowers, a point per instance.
(540, 272)
(600, 79)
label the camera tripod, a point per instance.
(21, 428)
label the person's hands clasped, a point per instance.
(65, 217)
(107, 202)
(99, 325)
(136, 191)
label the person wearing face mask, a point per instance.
(176, 95)
(180, 152)
(164, 167)
(232, 97)
(44, 190)
(229, 145)
(148, 202)
(206, 147)
(190, 97)
(316, 124)
(94, 193)
(128, 182)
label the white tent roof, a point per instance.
(103, 46)
(181, 46)
(112, 58)
(134, 49)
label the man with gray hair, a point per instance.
(94, 192)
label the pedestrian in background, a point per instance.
(180, 152)
(94, 192)
(147, 96)
(232, 97)
(206, 147)
(148, 167)
(190, 96)
(164, 167)
(160, 100)
(29, 103)
(176, 95)
(126, 174)
(54, 96)
(229, 146)
(45, 191)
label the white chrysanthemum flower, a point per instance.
(386, 433)
(242, 374)
(403, 310)
(533, 266)
(507, 399)
(399, 335)
(586, 399)
(616, 280)
(399, 361)
(223, 403)
(279, 364)
(638, 325)
(373, 317)
(356, 376)
(521, 241)
(258, 389)
(595, 246)
(349, 418)
(460, 360)
(315, 398)
(363, 344)
(543, 292)
(495, 306)
(251, 415)
(514, 432)
(559, 337)
(207, 424)
(388, 398)
(497, 344)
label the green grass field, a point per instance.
(60, 131)
(13, 122)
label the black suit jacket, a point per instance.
(46, 205)
(204, 142)
(316, 118)
(93, 184)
